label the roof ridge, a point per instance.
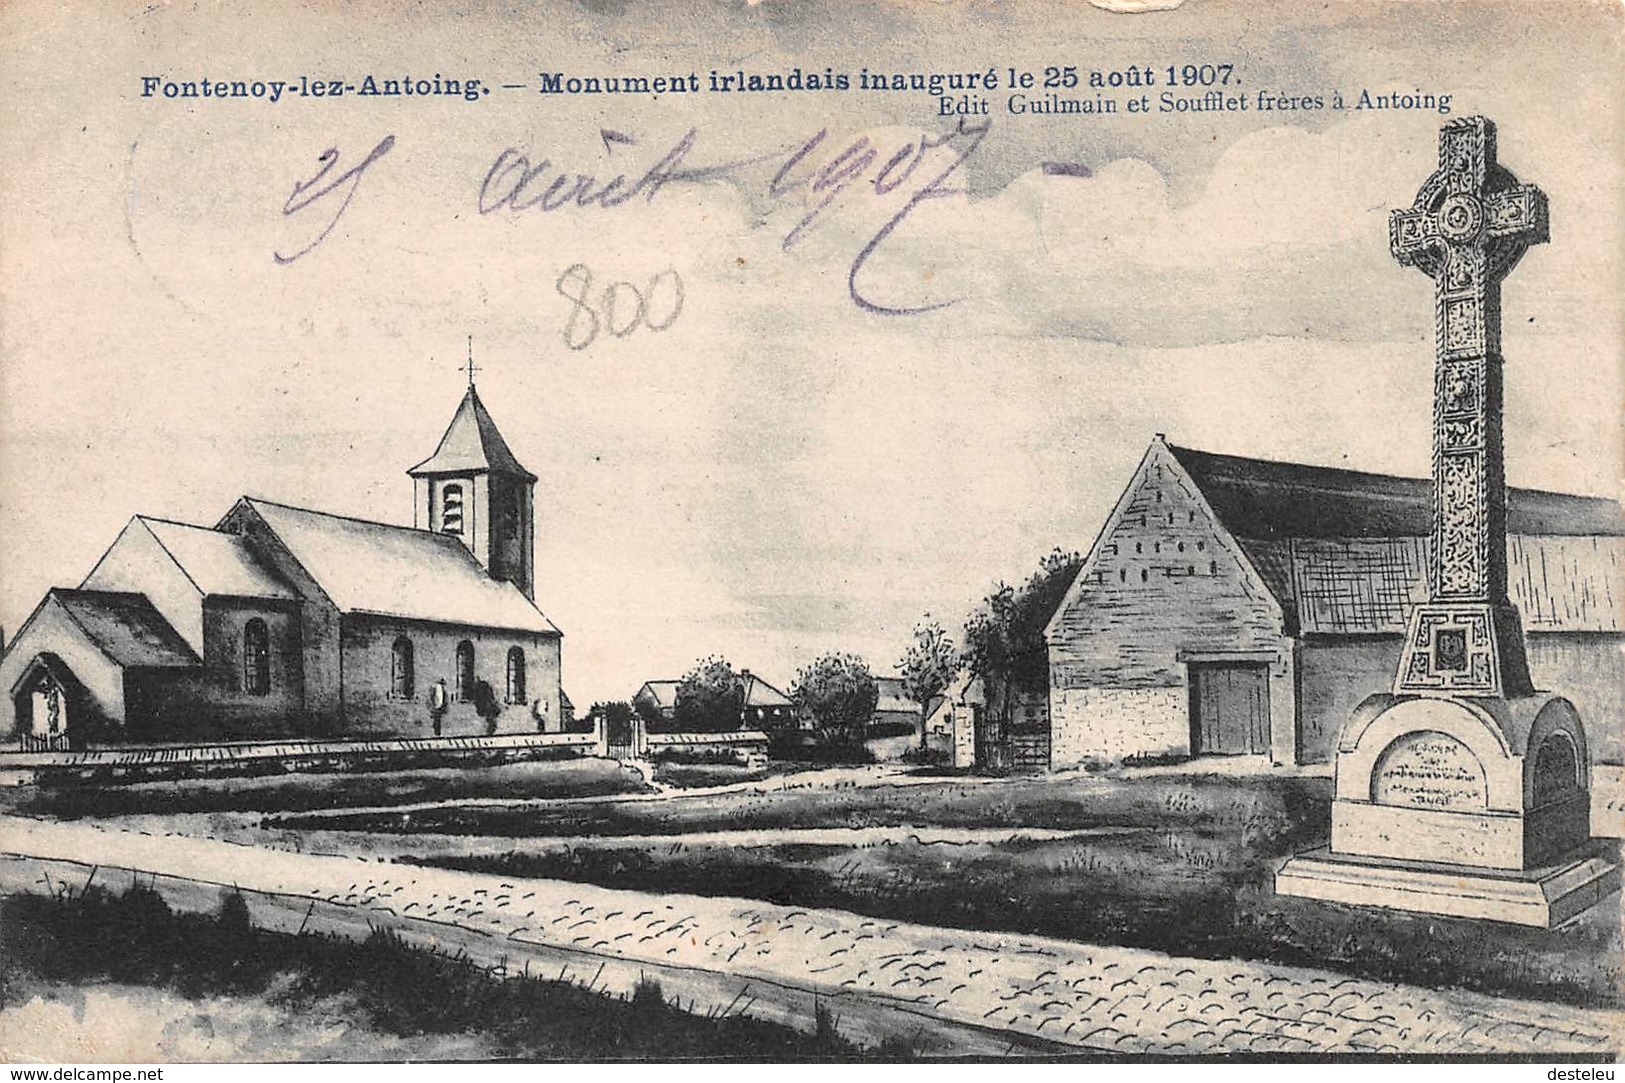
(102, 593)
(348, 518)
(177, 522)
(1291, 464)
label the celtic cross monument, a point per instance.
(1462, 790)
(1471, 223)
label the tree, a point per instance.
(617, 717)
(839, 693)
(1004, 638)
(710, 698)
(486, 705)
(928, 667)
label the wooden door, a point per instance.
(1230, 710)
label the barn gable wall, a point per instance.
(1164, 582)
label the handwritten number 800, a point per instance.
(621, 309)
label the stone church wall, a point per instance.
(318, 622)
(373, 709)
(213, 703)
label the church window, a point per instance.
(465, 671)
(1144, 575)
(1190, 517)
(516, 675)
(1139, 547)
(1201, 546)
(1213, 567)
(1122, 575)
(1181, 547)
(1190, 569)
(256, 658)
(451, 509)
(402, 678)
(1157, 547)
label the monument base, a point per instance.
(1545, 897)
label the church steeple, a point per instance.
(473, 487)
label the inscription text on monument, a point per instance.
(1429, 770)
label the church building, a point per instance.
(283, 622)
(1234, 606)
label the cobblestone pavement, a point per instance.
(1098, 998)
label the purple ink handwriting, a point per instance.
(821, 168)
(310, 193)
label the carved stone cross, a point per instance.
(1470, 224)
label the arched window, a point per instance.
(516, 675)
(402, 675)
(451, 509)
(465, 671)
(256, 658)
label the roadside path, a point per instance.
(1081, 996)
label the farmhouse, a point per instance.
(762, 706)
(1235, 606)
(279, 621)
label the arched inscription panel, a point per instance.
(1429, 770)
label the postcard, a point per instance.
(779, 531)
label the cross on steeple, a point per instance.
(472, 368)
(1470, 224)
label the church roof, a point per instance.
(215, 561)
(471, 444)
(125, 627)
(398, 571)
(1257, 498)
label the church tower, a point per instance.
(474, 488)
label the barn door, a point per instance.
(1230, 710)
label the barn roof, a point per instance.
(398, 571)
(471, 444)
(125, 627)
(215, 561)
(1343, 586)
(1258, 498)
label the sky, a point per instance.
(780, 470)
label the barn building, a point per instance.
(1234, 606)
(283, 622)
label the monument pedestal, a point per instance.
(1467, 807)
(1545, 897)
